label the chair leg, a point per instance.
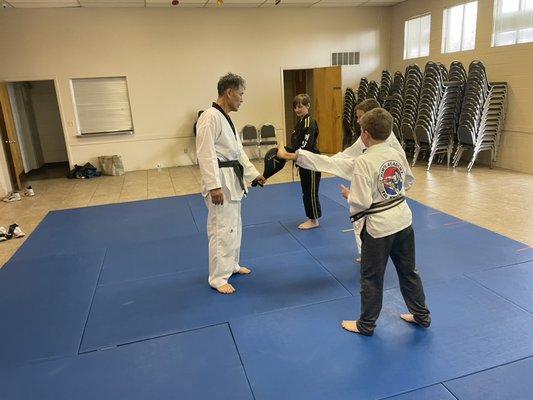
(415, 155)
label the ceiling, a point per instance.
(192, 3)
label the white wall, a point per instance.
(173, 58)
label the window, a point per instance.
(102, 105)
(416, 37)
(459, 28)
(513, 22)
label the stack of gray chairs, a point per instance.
(348, 117)
(384, 87)
(394, 105)
(448, 114)
(431, 94)
(492, 120)
(397, 83)
(373, 90)
(363, 90)
(411, 94)
(477, 91)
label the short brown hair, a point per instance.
(378, 123)
(367, 105)
(303, 99)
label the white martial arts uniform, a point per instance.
(216, 140)
(341, 165)
(387, 167)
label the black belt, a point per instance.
(237, 167)
(378, 207)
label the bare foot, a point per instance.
(244, 271)
(408, 317)
(226, 289)
(358, 260)
(350, 326)
(309, 224)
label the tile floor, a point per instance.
(496, 199)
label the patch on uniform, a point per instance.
(390, 180)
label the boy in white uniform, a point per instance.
(341, 164)
(379, 180)
(224, 166)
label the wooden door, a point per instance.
(327, 108)
(10, 138)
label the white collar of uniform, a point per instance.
(377, 147)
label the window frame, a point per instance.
(419, 44)
(445, 27)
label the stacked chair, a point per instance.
(363, 90)
(431, 93)
(348, 118)
(394, 105)
(373, 90)
(482, 115)
(448, 113)
(411, 94)
(384, 87)
(397, 83)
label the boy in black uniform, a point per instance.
(305, 136)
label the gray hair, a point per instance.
(230, 81)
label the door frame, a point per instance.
(54, 79)
(282, 82)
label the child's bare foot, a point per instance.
(244, 271)
(408, 317)
(350, 326)
(226, 289)
(309, 224)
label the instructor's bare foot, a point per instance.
(309, 224)
(408, 317)
(226, 289)
(244, 271)
(350, 326)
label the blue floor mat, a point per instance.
(271, 203)
(513, 283)
(171, 367)
(400, 357)
(178, 254)
(135, 310)
(44, 304)
(512, 381)
(435, 392)
(75, 230)
(440, 253)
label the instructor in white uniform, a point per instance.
(224, 167)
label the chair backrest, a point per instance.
(249, 132)
(267, 131)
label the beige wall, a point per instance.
(512, 64)
(173, 58)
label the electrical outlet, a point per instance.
(185, 150)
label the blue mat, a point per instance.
(271, 203)
(135, 310)
(171, 367)
(513, 282)
(178, 254)
(442, 253)
(75, 230)
(44, 304)
(435, 392)
(512, 381)
(400, 357)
